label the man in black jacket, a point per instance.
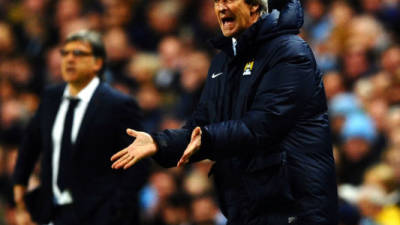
(262, 118)
(78, 126)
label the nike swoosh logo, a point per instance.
(216, 75)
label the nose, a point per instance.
(70, 58)
(220, 6)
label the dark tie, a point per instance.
(64, 176)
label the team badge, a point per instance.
(248, 68)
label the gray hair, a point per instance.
(262, 3)
(95, 41)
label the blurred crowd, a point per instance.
(159, 54)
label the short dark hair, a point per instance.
(95, 41)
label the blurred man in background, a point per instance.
(76, 129)
(262, 117)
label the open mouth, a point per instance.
(70, 69)
(227, 20)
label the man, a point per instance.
(262, 117)
(76, 129)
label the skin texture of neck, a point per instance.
(76, 87)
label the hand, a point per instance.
(19, 193)
(22, 216)
(193, 147)
(143, 147)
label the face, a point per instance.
(235, 16)
(78, 64)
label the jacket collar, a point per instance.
(94, 104)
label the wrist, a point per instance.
(19, 193)
(155, 146)
(20, 206)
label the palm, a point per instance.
(142, 147)
(193, 147)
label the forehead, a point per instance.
(230, 1)
(81, 45)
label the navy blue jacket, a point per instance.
(102, 196)
(264, 119)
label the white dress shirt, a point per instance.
(234, 44)
(84, 95)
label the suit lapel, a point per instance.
(92, 107)
(52, 106)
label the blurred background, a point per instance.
(158, 53)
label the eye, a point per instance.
(63, 52)
(78, 53)
(75, 52)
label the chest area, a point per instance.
(234, 85)
(86, 118)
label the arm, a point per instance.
(28, 154)
(280, 97)
(29, 151)
(172, 143)
(166, 147)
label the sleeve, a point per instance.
(132, 180)
(172, 143)
(279, 100)
(29, 150)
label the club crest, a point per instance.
(248, 68)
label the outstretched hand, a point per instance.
(193, 147)
(143, 147)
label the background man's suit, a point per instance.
(100, 195)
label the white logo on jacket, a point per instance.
(216, 75)
(292, 219)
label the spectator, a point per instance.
(205, 211)
(358, 134)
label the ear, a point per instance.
(98, 64)
(254, 9)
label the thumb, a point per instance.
(131, 132)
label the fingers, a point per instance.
(195, 142)
(183, 161)
(126, 162)
(119, 154)
(196, 132)
(131, 132)
(122, 161)
(124, 158)
(119, 158)
(131, 163)
(186, 155)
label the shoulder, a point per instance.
(54, 88)
(115, 97)
(111, 93)
(52, 92)
(289, 47)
